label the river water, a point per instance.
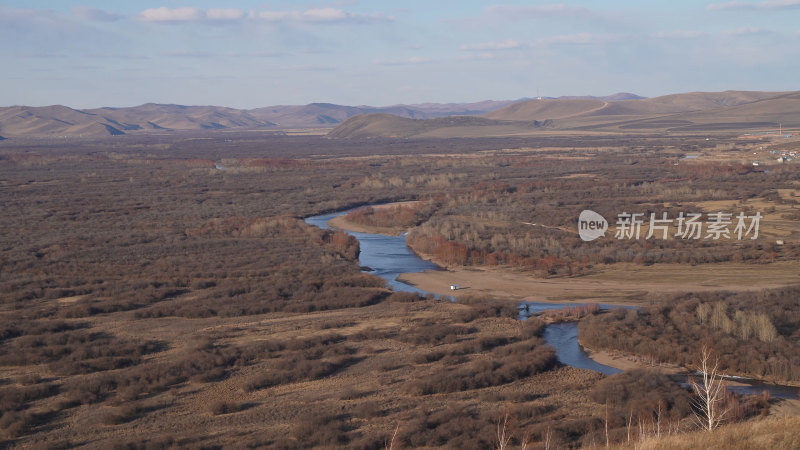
(388, 257)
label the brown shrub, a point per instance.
(322, 429)
(224, 407)
(640, 393)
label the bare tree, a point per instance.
(525, 442)
(630, 422)
(658, 417)
(503, 435)
(710, 402)
(390, 444)
(548, 438)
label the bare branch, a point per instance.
(503, 436)
(390, 445)
(710, 402)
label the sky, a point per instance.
(249, 53)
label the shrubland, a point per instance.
(147, 293)
(755, 333)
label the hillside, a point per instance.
(546, 109)
(178, 117)
(22, 121)
(58, 120)
(390, 126)
(324, 114)
(697, 112)
(328, 114)
(730, 111)
(668, 104)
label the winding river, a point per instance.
(388, 257)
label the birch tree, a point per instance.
(710, 404)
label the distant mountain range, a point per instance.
(690, 113)
(58, 120)
(729, 111)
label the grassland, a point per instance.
(164, 291)
(773, 433)
(622, 284)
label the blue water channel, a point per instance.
(389, 256)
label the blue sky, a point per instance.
(248, 53)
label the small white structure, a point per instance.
(779, 242)
(453, 287)
(755, 163)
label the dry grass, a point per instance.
(209, 295)
(773, 433)
(617, 284)
(358, 404)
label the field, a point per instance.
(163, 290)
(622, 284)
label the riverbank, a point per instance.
(624, 285)
(618, 284)
(783, 407)
(521, 287)
(627, 362)
(342, 223)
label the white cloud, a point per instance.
(319, 15)
(678, 34)
(325, 15)
(224, 14)
(401, 62)
(164, 14)
(94, 14)
(274, 16)
(519, 11)
(313, 15)
(762, 5)
(508, 44)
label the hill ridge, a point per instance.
(621, 113)
(60, 120)
(727, 111)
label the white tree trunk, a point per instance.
(710, 402)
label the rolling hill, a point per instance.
(22, 121)
(178, 117)
(668, 104)
(328, 114)
(391, 126)
(58, 120)
(546, 109)
(696, 112)
(324, 114)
